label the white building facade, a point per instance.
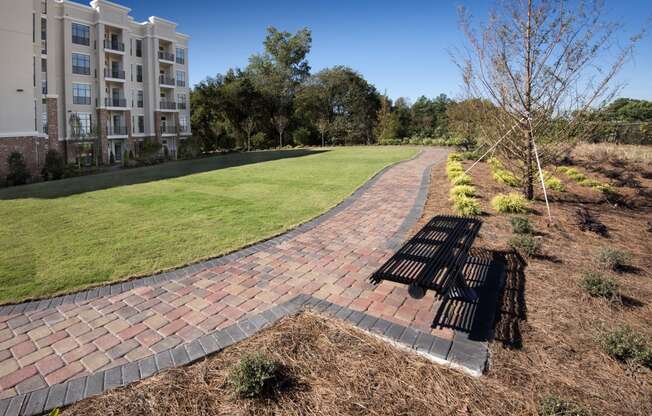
(89, 81)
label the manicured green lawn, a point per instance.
(68, 234)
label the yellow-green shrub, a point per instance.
(454, 169)
(573, 173)
(465, 205)
(462, 179)
(554, 183)
(502, 175)
(454, 157)
(465, 190)
(512, 203)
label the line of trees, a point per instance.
(276, 101)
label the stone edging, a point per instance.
(461, 353)
(112, 289)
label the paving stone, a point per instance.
(122, 349)
(31, 384)
(56, 396)
(166, 343)
(94, 384)
(95, 360)
(195, 350)
(147, 367)
(164, 360)
(36, 402)
(11, 379)
(75, 391)
(49, 364)
(112, 378)
(64, 373)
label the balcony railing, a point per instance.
(81, 40)
(181, 83)
(113, 73)
(44, 47)
(81, 100)
(78, 133)
(181, 106)
(166, 56)
(81, 70)
(168, 105)
(168, 129)
(115, 102)
(166, 80)
(116, 130)
(140, 104)
(183, 129)
(114, 46)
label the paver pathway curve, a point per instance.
(48, 342)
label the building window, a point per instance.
(44, 30)
(181, 56)
(44, 65)
(44, 86)
(139, 73)
(81, 34)
(181, 101)
(80, 125)
(139, 48)
(81, 64)
(141, 99)
(141, 124)
(183, 123)
(81, 94)
(181, 79)
(44, 121)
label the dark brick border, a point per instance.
(461, 353)
(189, 270)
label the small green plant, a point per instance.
(254, 376)
(599, 285)
(512, 203)
(454, 157)
(521, 225)
(18, 173)
(54, 166)
(466, 205)
(554, 183)
(525, 244)
(454, 169)
(466, 190)
(612, 259)
(626, 345)
(55, 412)
(462, 179)
(555, 406)
(572, 173)
(506, 177)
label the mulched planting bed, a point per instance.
(331, 368)
(548, 310)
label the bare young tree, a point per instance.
(249, 126)
(323, 125)
(541, 66)
(280, 122)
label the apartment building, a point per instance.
(89, 81)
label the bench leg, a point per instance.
(460, 290)
(416, 291)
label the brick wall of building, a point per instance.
(32, 148)
(53, 124)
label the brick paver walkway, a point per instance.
(49, 342)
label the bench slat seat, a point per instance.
(434, 258)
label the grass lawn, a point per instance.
(73, 233)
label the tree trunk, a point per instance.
(529, 178)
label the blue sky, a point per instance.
(399, 46)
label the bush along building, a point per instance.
(89, 82)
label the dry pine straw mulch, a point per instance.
(559, 354)
(339, 370)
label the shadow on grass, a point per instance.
(124, 177)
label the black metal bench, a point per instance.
(434, 258)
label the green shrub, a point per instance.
(521, 225)
(454, 169)
(512, 203)
(465, 190)
(555, 406)
(462, 179)
(471, 155)
(599, 286)
(554, 183)
(626, 345)
(506, 177)
(302, 136)
(54, 166)
(612, 259)
(572, 173)
(18, 173)
(259, 140)
(255, 375)
(525, 244)
(454, 157)
(465, 205)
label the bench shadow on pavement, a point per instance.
(125, 177)
(499, 311)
